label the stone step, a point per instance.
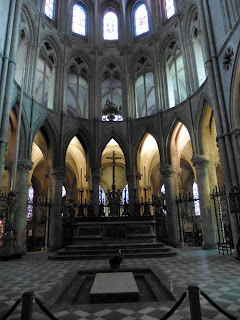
(115, 246)
(110, 251)
(95, 257)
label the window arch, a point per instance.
(141, 23)
(110, 25)
(45, 79)
(49, 8)
(111, 89)
(199, 60)
(176, 81)
(145, 95)
(77, 96)
(79, 19)
(170, 9)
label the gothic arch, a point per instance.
(176, 118)
(108, 60)
(57, 51)
(170, 40)
(84, 138)
(82, 54)
(51, 136)
(140, 139)
(192, 10)
(29, 24)
(204, 102)
(117, 136)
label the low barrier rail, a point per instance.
(194, 302)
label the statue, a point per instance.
(110, 109)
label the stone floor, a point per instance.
(217, 275)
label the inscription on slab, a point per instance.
(114, 287)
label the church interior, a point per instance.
(120, 137)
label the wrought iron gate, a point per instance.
(190, 224)
(38, 213)
(221, 210)
(3, 214)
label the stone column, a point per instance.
(169, 174)
(95, 190)
(9, 83)
(55, 223)
(19, 225)
(213, 174)
(200, 162)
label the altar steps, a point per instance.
(104, 251)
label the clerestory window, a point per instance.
(79, 20)
(141, 19)
(170, 10)
(110, 25)
(49, 8)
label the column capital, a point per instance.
(58, 173)
(200, 161)
(168, 171)
(25, 165)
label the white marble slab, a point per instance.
(114, 287)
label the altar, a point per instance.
(144, 231)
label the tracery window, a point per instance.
(111, 90)
(141, 19)
(176, 79)
(170, 10)
(110, 25)
(49, 8)
(198, 53)
(79, 19)
(145, 95)
(45, 79)
(77, 96)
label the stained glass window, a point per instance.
(170, 8)
(79, 20)
(125, 195)
(49, 8)
(141, 19)
(64, 192)
(110, 26)
(30, 203)
(196, 200)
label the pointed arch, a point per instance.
(140, 140)
(169, 131)
(120, 139)
(84, 138)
